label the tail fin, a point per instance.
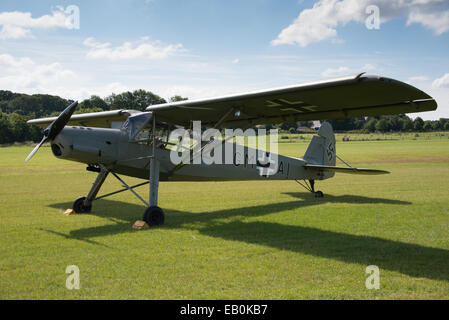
(321, 150)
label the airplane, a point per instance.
(135, 143)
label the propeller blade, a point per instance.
(55, 127)
(44, 139)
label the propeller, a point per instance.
(55, 128)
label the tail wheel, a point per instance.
(79, 207)
(154, 216)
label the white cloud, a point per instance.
(27, 76)
(334, 72)
(17, 24)
(23, 73)
(322, 20)
(438, 21)
(442, 82)
(341, 71)
(417, 79)
(129, 50)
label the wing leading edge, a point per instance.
(102, 119)
(348, 97)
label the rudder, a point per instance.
(321, 150)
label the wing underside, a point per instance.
(349, 97)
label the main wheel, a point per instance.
(154, 216)
(79, 207)
(319, 194)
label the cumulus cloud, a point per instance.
(417, 79)
(334, 72)
(437, 21)
(442, 82)
(22, 74)
(17, 24)
(322, 20)
(131, 50)
(342, 71)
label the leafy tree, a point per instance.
(137, 100)
(418, 124)
(436, 125)
(427, 126)
(94, 102)
(359, 123)
(177, 98)
(407, 124)
(19, 127)
(382, 125)
(342, 124)
(446, 126)
(87, 110)
(6, 132)
(370, 125)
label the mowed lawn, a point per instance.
(233, 240)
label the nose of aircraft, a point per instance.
(87, 145)
(62, 146)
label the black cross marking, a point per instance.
(284, 105)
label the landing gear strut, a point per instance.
(84, 204)
(154, 215)
(318, 194)
(311, 187)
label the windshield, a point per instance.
(137, 123)
(139, 129)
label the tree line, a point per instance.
(395, 123)
(17, 108)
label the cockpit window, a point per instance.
(139, 129)
(135, 124)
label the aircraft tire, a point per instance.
(154, 216)
(79, 207)
(319, 194)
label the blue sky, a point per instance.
(204, 48)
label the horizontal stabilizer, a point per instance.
(345, 169)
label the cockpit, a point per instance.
(139, 129)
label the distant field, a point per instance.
(234, 240)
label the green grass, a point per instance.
(233, 240)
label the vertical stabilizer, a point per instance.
(321, 150)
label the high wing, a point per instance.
(103, 119)
(349, 97)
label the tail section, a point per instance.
(321, 150)
(321, 156)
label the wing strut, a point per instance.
(196, 154)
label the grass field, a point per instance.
(233, 240)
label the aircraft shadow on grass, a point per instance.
(409, 259)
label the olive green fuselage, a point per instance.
(112, 148)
